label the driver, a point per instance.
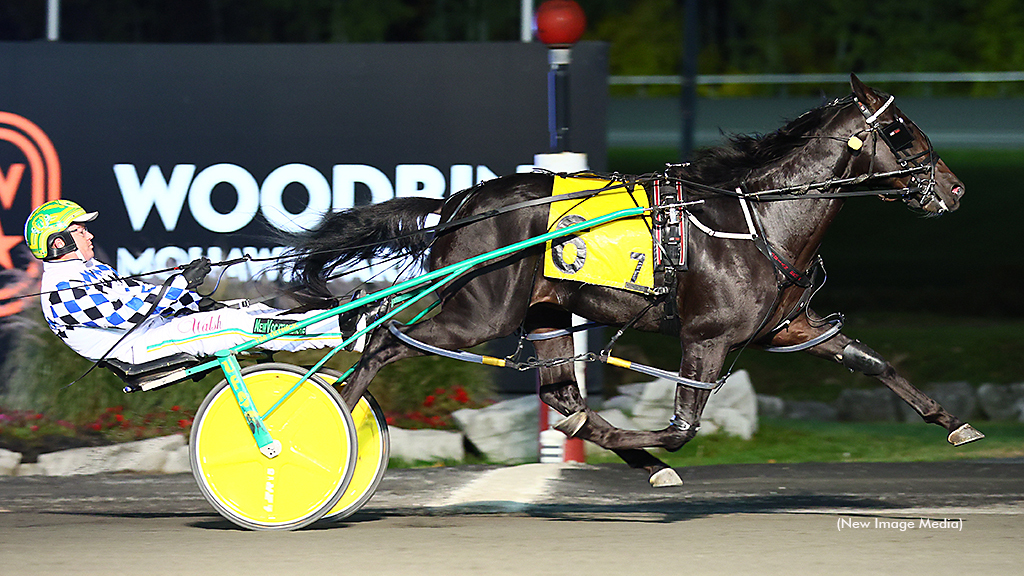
(94, 311)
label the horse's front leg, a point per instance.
(702, 361)
(557, 388)
(856, 356)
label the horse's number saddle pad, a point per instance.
(617, 254)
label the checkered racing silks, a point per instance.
(87, 306)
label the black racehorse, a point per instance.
(785, 187)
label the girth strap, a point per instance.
(790, 273)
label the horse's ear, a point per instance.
(864, 93)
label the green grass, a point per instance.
(925, 349)
(792, 441)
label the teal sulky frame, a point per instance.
(226, 360)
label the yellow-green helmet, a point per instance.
(49, 222)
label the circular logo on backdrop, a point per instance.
(28, 167)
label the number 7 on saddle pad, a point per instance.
(617, 254)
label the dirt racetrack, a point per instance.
(545, 519)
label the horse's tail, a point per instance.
(350, 236)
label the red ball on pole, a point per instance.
(559, 22)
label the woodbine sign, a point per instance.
(189, 192)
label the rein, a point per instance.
(224, 263)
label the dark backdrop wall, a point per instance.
(209, 149)
(190, 150)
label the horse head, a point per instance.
(930, 184)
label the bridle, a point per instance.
(920, 168)
(900, 139)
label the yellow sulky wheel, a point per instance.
(301, 484)
(374, 451)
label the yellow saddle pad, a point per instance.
(617, 254)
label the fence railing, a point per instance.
(910, 77)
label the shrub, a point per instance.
(39, 368)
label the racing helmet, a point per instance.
(49, 222)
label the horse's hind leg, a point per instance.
(558, 388)
(856, 356)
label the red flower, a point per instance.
(119, 418)
(175, 408)
(184, 422)
(429, 401)
(460, 395)
(96, 426)
(34, 428)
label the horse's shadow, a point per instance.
(681, 511)
(659, 512)
(662, 511)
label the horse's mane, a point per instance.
(727, 165)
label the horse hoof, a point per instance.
(665, 477)
(571, 424)
(964, 434)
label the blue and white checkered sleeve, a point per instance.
(174, 299)
(121, 304)
(80, 306)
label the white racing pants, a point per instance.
(205, 333)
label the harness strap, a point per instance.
(790, 273)
(659, 373)
(755, 233)
(715, 233)
(518, 206)
(874, 117)
(536, 336)
(455, 355)
(669, 230)
(503, 363)
(818, 277)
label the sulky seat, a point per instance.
(153, 374)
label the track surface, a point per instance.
(545, 519)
